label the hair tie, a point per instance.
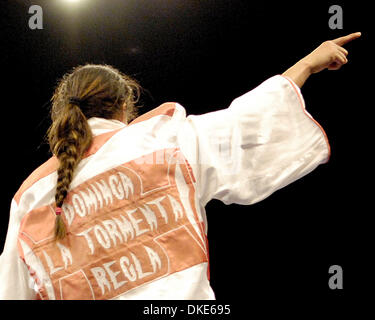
(58, 211)
(75, 101)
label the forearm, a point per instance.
(299, 72)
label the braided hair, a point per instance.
(87, 91)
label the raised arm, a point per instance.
(329, 55)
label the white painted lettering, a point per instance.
(68, 212)
(112, 230)
(149, 216)
(102, 236)
(136, 222)
(100, 276)
(177, 209)
(66, 255)
(88, 239)
(116, 187)
(128, 269)
(138, 267)
(160, 207)
(127, 184)
(154, 259)
(52, 268)
(79, 205)
(125, 227)
(98, 195)
(113, 275)
(106, 191)
(90, 200)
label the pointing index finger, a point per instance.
(344, 40)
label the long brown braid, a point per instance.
(88, 91)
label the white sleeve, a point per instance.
(264, 141)
(15, 281)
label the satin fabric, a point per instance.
(171, 166)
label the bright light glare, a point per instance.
(72, 4)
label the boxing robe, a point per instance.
(135, 211)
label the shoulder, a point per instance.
(173, 110)
(42, 171)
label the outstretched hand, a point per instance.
(330, 54)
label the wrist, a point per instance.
(306, 66)
(300, 72)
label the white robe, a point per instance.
(135, 213)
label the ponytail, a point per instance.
(88, 91)
(69, 137)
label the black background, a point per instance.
(203, 54)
